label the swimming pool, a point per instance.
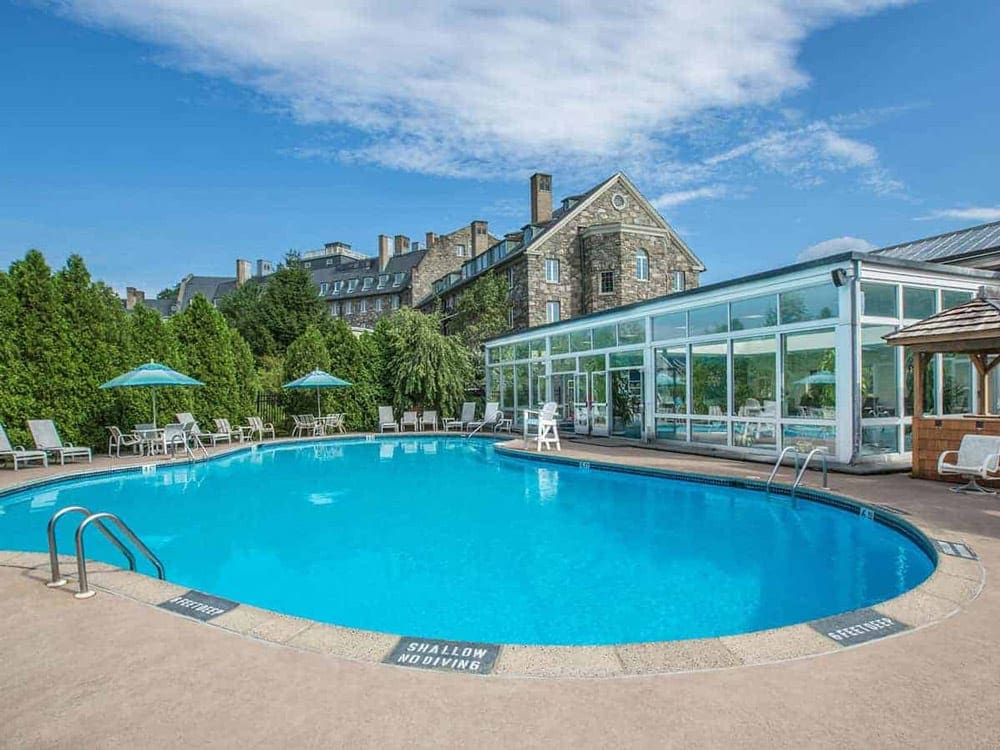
(444, 537)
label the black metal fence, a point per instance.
(270, 409)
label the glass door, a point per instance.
(599, 403)
(627, 403)
(581, 411)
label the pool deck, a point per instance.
(115, 670)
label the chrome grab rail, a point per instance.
(777, 465)
(56, 578)
(81, 562)
(822, 454)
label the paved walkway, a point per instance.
(111, 671)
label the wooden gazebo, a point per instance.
(972, 328)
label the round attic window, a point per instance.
(619, 201)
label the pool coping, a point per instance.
(952, 585)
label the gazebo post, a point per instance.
(982, 388)
(918, 406)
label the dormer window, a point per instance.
(368, 283)
(383, 279)
(329, 261)
(397, 279)
(307, 264)
(322, 289)
(352, 285)
(338, 286)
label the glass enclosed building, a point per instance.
(793, 356)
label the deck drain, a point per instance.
(198, 605)
(859, 626)
(450, 656)
(956, 549)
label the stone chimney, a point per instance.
(384, 250)
(414, 246)
(429, 239)
(242, 272)
(402, 244)
(479, 231)
(133, 297)
(541, 198)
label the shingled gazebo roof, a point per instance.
(972, 327)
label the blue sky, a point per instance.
(162, 137)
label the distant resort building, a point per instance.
(598, 250)
(790, 357)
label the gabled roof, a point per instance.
(971, 326)
(212, 287)
(951, 246)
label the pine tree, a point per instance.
(482, 312)
(306, 353)
(350, 360)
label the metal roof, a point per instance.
(945, 247)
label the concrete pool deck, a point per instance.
(112, 669)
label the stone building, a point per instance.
(598, 250)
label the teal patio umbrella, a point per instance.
(151, 375)
(819, 377)
(318, 379)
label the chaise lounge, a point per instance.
(47, 439)
(17, 454)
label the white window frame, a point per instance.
(378, 304)
(363, 304)
(323, 287)
(641, 265)
(553, 306)
(680, 281)
(348, 307)
(552, 264)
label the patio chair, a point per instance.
(47, 439)
(468, 414)
(260, 427)
(18, 454)
(335, 423)
(491, 417)
(305, 424)
(409, 419)
(977, 456)
(429, 419)
(187, 418)
(386, 420)
(117, 438)
(223, 427)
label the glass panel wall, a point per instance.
(579, 341)
(956, 384)
(632, 332)
(810, 368)
(811, 303)
(559, 344)
(605, 337)
(521, 381)
(951, 297)
(756, 312)
(705, 320)
(754, 377)
(879, 300)
(879, 373)
(918, 302)
(671, 326)
(930, 385)
(671, 380)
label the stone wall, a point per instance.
(371, 315)
(440, 260)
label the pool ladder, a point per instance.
(799, 475)
(98, 520)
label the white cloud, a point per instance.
(835, 246)
(677, 197)
(970, 213)
(464, 88)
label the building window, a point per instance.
(397, 279)
(335, 309)
(383, 280)
(348, 307)
(641, 265)
(338, 287)
(378, 304)
(607, 282)
(460, 251)
(678, 281)
(552, 270)
(395, 302)
(510, 279)
(352, 285)
(510, 316)
(369, 283)
(322, 289)
(551, 312)
(363, 305)
(329, 261)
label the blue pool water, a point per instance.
(445, 538)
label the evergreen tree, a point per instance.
(349, 360)
(482, 312)
(422, 368)
(247, 383)
(148, 338)
(16, 396)
(204, 336)
(289, 304)
(306, 353)
(243, 309)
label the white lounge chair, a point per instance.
(18, 454)
(187, 418)
(117, 439)
(429, 419)
(223, 427)
(409, 419)
(386, 419)
(47, 439)
(491, 417)
(468, 414)
(259, 427)
(977, 456)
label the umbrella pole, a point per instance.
(319, 410)
(154, 408)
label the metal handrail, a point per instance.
(777, 464)
(81, 561)
(822, 454)
(56, 578)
